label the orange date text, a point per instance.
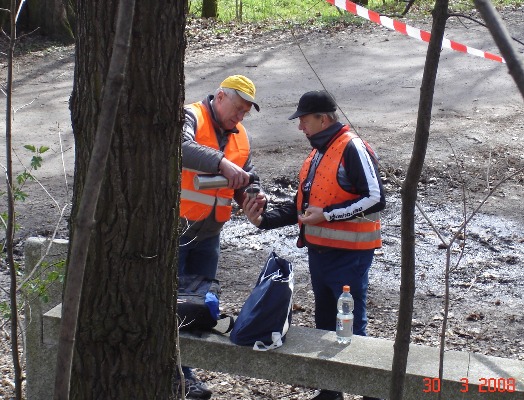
(485, 385)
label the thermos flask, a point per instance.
(212, 181)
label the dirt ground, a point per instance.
(375, 75)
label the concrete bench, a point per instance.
(312, 358)
(309, 357)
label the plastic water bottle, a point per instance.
(345, 306)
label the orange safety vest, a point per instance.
(196, 205)
(359, 233)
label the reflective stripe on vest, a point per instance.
(359, 233)
(196, 205)
(203, 198)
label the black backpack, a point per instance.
(198, 303)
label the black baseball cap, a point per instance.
(316, 101)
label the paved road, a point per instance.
(374, 73)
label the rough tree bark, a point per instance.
(409, 198)
(125, 344)
(85, 214)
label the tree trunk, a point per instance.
(409, 197)
(125, 344)
(210, 9)
(53, 18)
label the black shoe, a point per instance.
(196, 389)
(328, 395)
(193, 387)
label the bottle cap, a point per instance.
(345, 288)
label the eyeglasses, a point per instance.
(241, 111)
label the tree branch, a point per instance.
(503, 40)
(480, 23)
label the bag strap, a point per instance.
(220, 328)
(276, 337)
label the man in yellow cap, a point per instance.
(214, 142)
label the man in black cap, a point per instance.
(337, 207)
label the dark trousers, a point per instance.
(332, 269)
(198, 257)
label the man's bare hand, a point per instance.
(236, 176)
(312, 216)
(254, 207)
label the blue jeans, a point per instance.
(332, 269)
(199, 257)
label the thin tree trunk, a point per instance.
(51, 17)
(10, 229)
(409, 197)
(210, 9)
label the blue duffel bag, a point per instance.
(265, 317)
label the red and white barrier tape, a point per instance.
(409, 30)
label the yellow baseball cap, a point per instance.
(244, 87)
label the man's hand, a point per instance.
(312, 216)
(254, 207)
(236, 176)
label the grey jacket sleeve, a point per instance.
(194, 155)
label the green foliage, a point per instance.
(270, 15)
(5, 310)
(263, 10)
(39, 285)
(49, 274)
(322, 12)
(24, 176)
(36, 161)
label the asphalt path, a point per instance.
(375, 75)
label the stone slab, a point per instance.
(312, 358)
(40, 353)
